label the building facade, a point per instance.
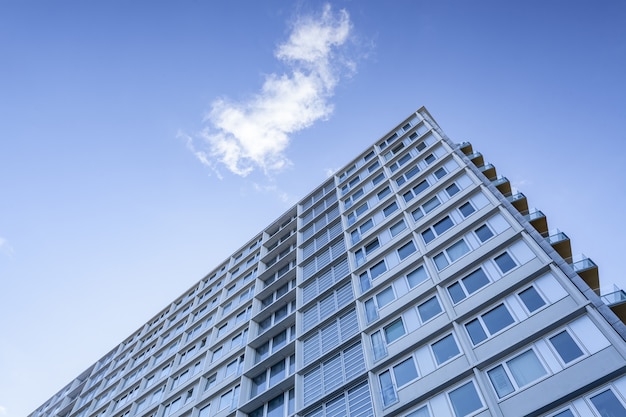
(414, 282)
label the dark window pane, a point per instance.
(505, 262)
(405, 372)
(378, 269)
(429, 309)
(531, 299)
(484, 233)
(443, 225)
(420, 187)
(476, 331)
(467, 209)
(417, 276)
(428, 235)
(608, 405)
(406, 250)
(566, 346)
(475, 281)
(465, 400)
(497, 319)
(445, 349)
(456, 292)
(452, 190)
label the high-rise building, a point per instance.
(414, 282)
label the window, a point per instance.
(465, 400)
(230, 399)
(390, 209)
(381, 299)
(270, 377)
(516, 373)
(396, 377)
(410, 173)
(276, 406)
(385, 297)
(440, 173)
(466, 209)
(397, 228)
(564, 413)
(406, 250)
(275, 343)
(429, 309)
(468, 285)
(371, 274)
(425, 208)
(420, 412)
(566, 347)
(417, 276)
(445, 349)
(409, 195)
(452, 189)
(450, 255)
(394, 330)
(483, 233)
(430, 159)
(437, 229)
(489, 324)
(505, 262)
(607, 404)
(382, 194)
(531, 299)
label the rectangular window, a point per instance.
(505, 262)
(607, 404)
(566, 347)
(489, 324)
(466, 209)
(516, 373)
(451, 254)
(417, 276)
(429, 309)
(465, 400)
(445, 349)
(406, 250)
(468, 285)
(394, 331)
(531, 299)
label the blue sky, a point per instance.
(143, 142)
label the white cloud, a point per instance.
(7, 249)
(254, 134)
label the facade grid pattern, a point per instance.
(412, 283)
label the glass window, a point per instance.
(429, 309)
(387, 390)
(443, 225)
(431, 204)
(476, 331)
(370, 310)
(608, 405)
(484, 233)
(420, 412)
(564, 413)
(457, 250)
(417, 276)
(397, 228)
(445, 349)
(497, 319)
(465, 400)
(428, 235)
(467, 209)
(385, 297)
(378, 269)
(430, 159)
(456, 292)
(406, 250)
(566, 346)
(500, 381)
(531, 299)
(390, 209)
(394, 331)
(452, 189)
(440, 173)
(405, 372)
(475, 281)
(505, 262)
(526, 368)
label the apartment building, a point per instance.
(415, 282)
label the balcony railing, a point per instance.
(614, 298)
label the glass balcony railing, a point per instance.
(614, 298)
(516, 197)
(583, 265)
(557, 238)
(534, 215)
(500, 181)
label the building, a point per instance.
(412, 283)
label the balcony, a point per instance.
(518, 200)
(466, 148)
(616, 301)
(503, 185)
(538, 220)
(489, 171)
(588, 271)
(560, 242)
(477, 159)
